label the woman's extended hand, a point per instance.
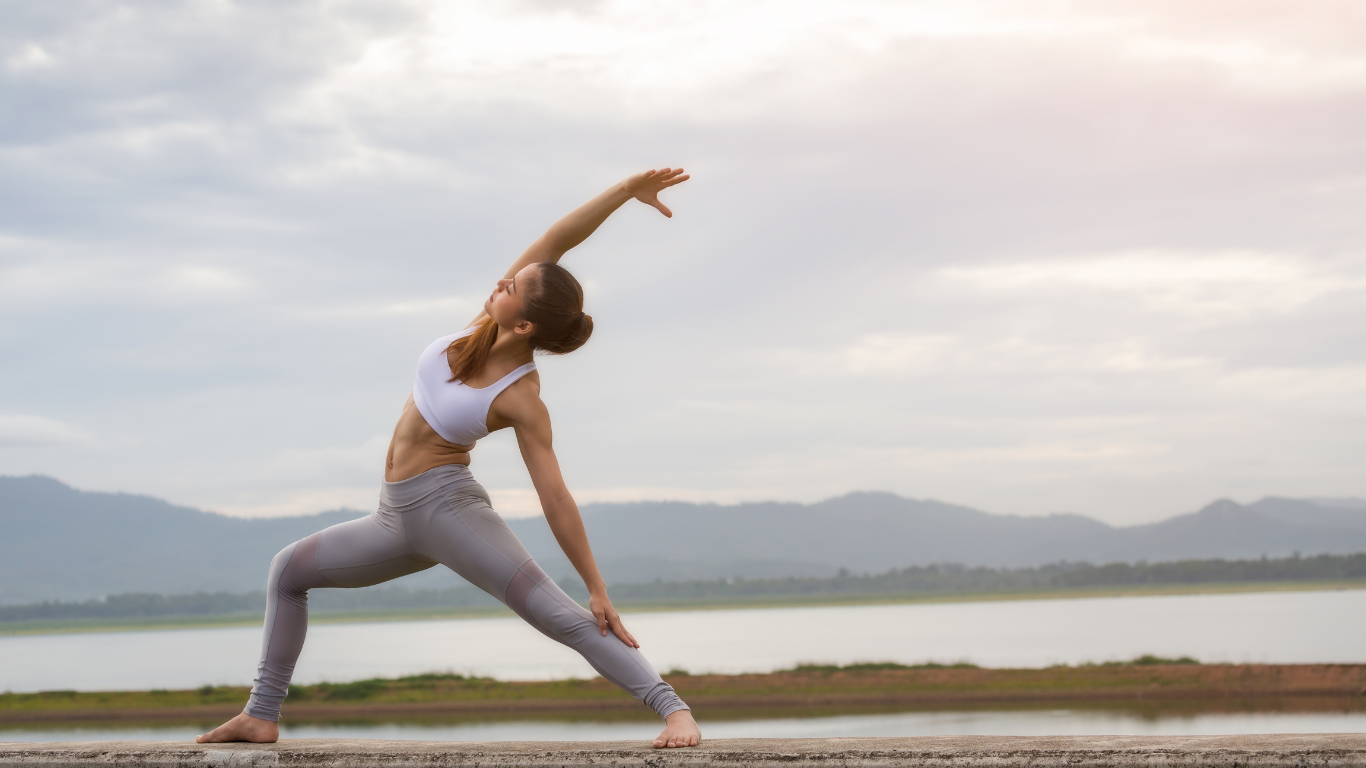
(607, 617)
(646, 186)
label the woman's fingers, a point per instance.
(662, 176)
(662, 179)
(602, 623)
(646, 186)
(620, 629)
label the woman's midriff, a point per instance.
(416, 447)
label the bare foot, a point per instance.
(680, 730)
(244, 727)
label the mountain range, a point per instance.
(57, 542)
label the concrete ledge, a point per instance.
(1301, 751)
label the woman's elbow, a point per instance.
(559, 505)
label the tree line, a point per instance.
(949, 578)
(938, 579)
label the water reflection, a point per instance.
(1193, 717)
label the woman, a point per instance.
(432, 511)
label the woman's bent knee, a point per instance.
(293, 571)
(279, 564)
(281, 560)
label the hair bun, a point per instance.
(554, 305)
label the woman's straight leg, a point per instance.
(359, 553)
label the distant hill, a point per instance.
(872, 532)
(60, 543)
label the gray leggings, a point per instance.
(440, 516)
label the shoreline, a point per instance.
(804, 691)
(145, 624)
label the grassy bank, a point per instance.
(828, 688)
(140, 623)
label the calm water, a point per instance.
(1284, 627)
(1033, 723)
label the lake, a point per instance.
(1280, 627)
(1057, 722)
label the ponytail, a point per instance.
(468, 355)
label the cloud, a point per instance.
(1218, 284)
(27, 431)
(1103, 257)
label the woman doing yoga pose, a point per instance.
(431, 510)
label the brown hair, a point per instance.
(553, 304)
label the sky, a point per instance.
(1098, 257)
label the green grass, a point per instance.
(702, 604)
(1149, 660)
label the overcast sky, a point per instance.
(1095, 257)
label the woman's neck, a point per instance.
(510, 347)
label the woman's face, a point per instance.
(505, 304)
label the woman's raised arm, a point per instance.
(581, 222)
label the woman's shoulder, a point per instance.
(527, 385)
(521, 401)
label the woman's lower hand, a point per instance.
(609, 619)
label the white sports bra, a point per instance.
(456, 412)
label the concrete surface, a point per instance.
(1301, 751)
